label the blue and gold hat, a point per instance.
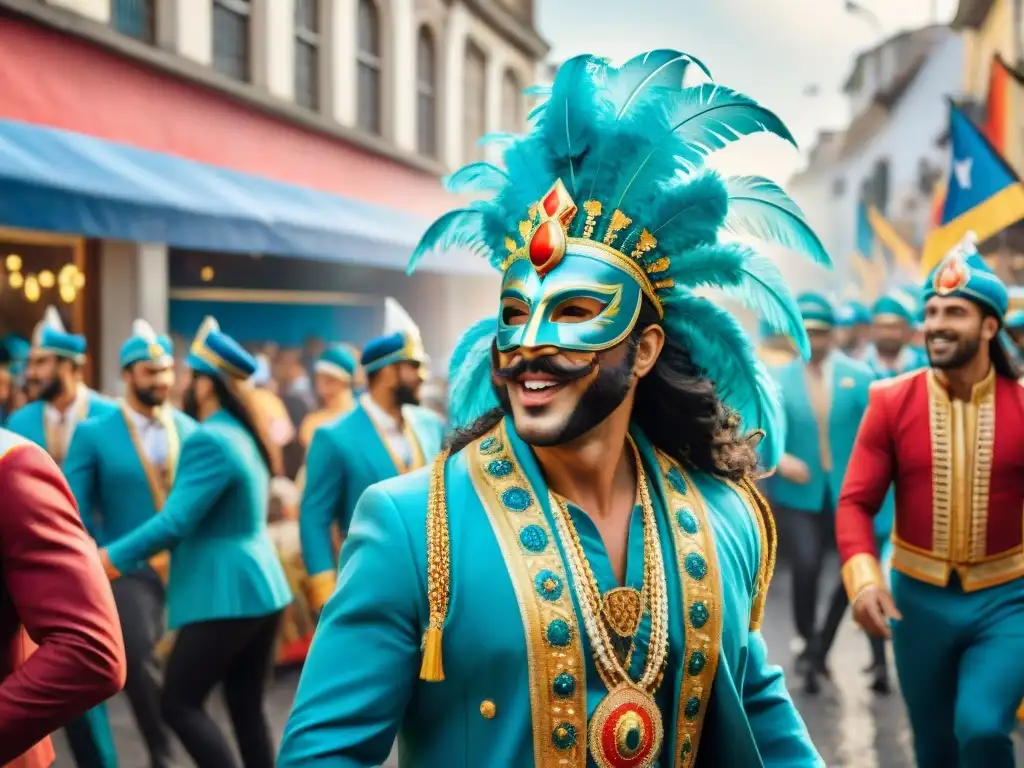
(1015, 320)
(894, 306)
(964, 274)
(214, 353)
(853, 313)
(403, 346)
(144, 345)
(336, 361)
(51, 337)
(816, 311)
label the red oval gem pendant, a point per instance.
(626, 730)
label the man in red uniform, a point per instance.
(951, 438)
(61, 651)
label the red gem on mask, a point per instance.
(547, 246)
(552, 201)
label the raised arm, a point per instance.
(80, 472)
(868, 477)
(203, 474)
(318, 510)
(59, 592)
(364, 661)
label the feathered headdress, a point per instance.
(615, 156)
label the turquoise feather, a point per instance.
(477, 177)
(470, 393)
(663, 68)
(458, 228)
(759, 208)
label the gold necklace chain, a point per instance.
(610, 668)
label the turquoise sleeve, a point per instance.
(364, 661)
(80, 472)
(321, 500)
(779, 731)
(201, 478)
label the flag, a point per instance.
(997, 106)
(904, 254)
(863, 233)
(984, 194)
(866, 267)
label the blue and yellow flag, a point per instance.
(903, 253)
(871, 271)
(983, 194)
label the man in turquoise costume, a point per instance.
(58, 403)
(823, 402)
(590, 554)
(853, 329)
(120, 468)
(893, 318)
(386, 435)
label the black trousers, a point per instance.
(238, 654)
(809, 537)
(140, 603)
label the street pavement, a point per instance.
(851, 727)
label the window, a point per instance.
(511, 101)
(474, 108)
(368, 62)
(134, 18)
(231, 37)
(426, 93)
(307, 53)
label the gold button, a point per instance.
(487, 709)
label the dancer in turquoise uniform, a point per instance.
(591, 556)
(893, 318)
(120, 468)
(388, 434)
(853, 329)
(58, 403)
(227, 588)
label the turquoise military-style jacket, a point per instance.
(345, 458)
(29, 420)
(909, 359)
(848, 382)
(116, 487)
(214, 522)
(520, 682)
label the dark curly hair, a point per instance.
(678, 410)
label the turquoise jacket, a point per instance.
(848, 383)
(513, 641)
(29, 422)
(910, 359)
(345, 458)
(116, 488)
(223, 564)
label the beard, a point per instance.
(190, 404)
(47, 391)
(606, 393)
(406, 395)
(889, 348)
(149, 398)
(961, 353)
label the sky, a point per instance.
(771, 50)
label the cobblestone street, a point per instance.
(851, 727)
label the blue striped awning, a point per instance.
(61, 181)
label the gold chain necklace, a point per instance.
(627, 724)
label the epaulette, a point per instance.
(769, 546)
(880, 383)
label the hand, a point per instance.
(873, 609)
(794, 470)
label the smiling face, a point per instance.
(955, 330)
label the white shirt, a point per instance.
(397, 442)
(64, 422)
(152, 436)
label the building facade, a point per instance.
(320, 128)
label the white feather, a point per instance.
(143, 330)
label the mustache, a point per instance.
(548, 366)
(941, 336)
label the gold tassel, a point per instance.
(432, 669)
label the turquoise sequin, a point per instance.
(687, 521)
(564, 736)
(564, 685)
(559, 633)
(490, 445)
(548, 584)
(696, 566)
(697, 662)
(692, 707)
(517, 499)
(500, 468)
(699, 615)
(533, 538)
(676, 480)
